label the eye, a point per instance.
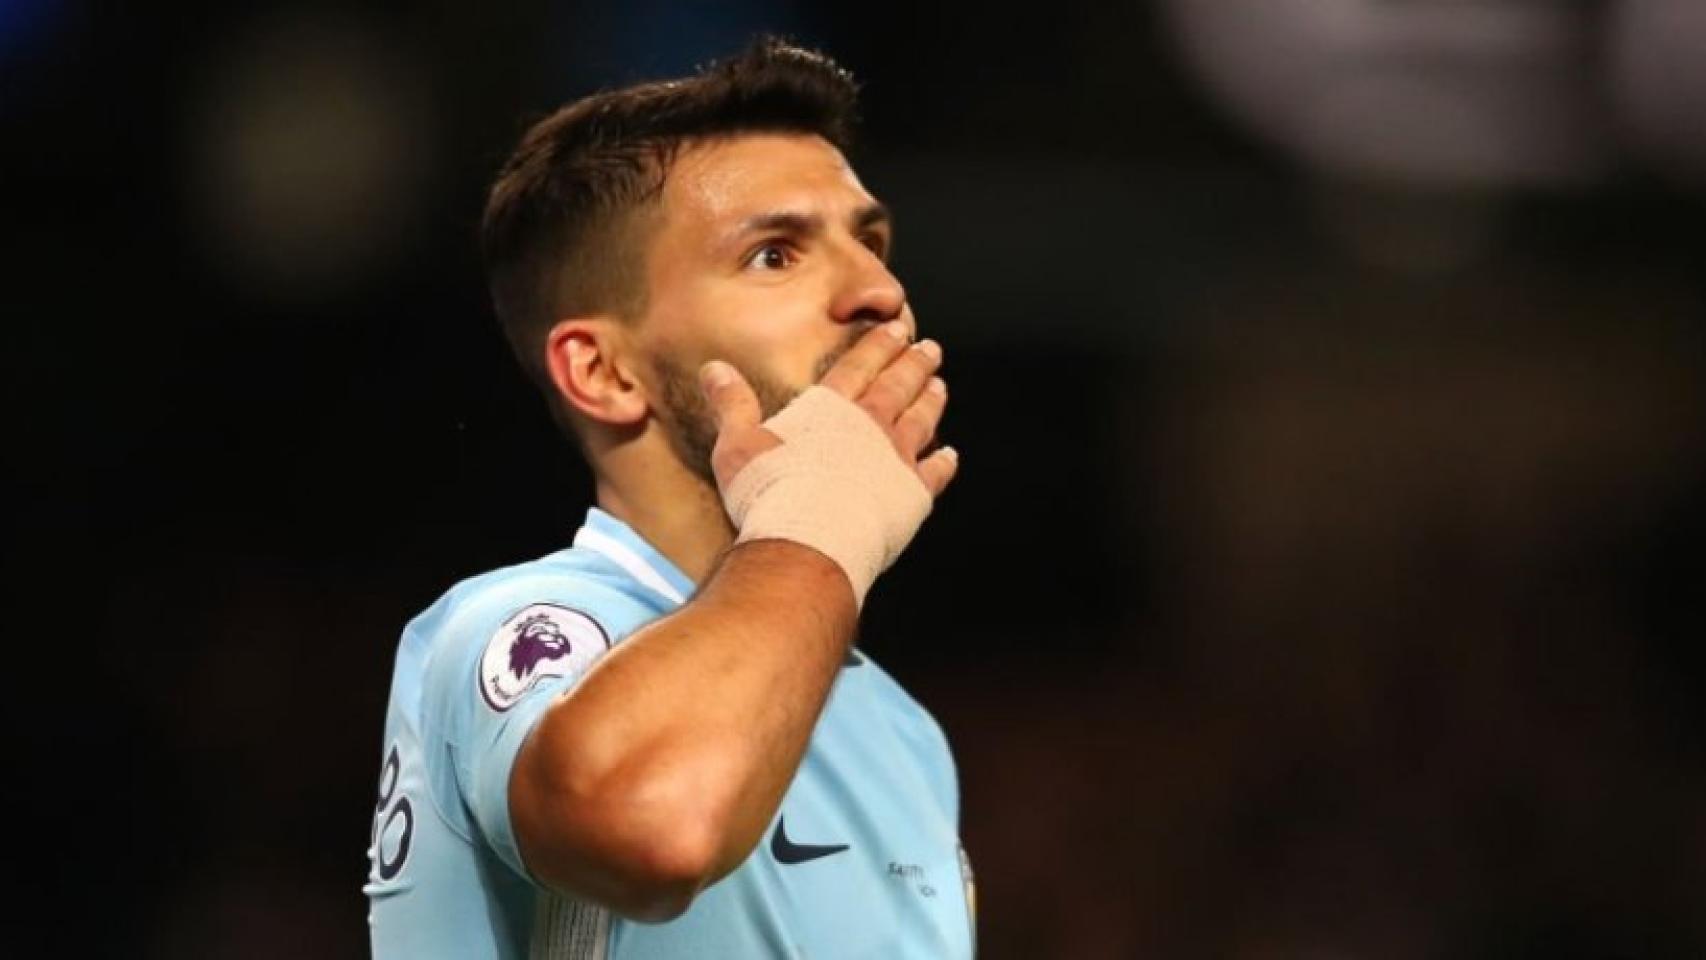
(774, 255)
(878, 244)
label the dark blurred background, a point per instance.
(1320, 581)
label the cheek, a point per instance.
(780, 332)
(772, 336)
(682, 330)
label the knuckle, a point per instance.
(916, 428)
(880, 398)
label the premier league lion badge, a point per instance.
(540, 642)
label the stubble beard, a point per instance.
(687, 418)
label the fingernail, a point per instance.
(930, 348)
(950, 453)
(895, 329)
(937, 386)
(714, 374)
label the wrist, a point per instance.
(836, 485)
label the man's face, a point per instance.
(770, 255)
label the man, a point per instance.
(660, 742)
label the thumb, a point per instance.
(732, 401)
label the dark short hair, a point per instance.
(564, 232)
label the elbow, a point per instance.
(638, 845)
(652, 873)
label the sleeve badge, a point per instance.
(540, 642)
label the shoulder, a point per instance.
(578, 580)
(522, 624)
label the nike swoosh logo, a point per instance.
(787, 851)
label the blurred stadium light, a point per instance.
(1418, 119)
(309, 154)
(1449, 93)
(1658, 76)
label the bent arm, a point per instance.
(659, 772)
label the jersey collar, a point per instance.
(617, 542)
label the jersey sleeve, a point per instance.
(503, 655)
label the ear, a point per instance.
(586, 361)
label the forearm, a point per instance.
(693, 727)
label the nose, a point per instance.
(869, 291)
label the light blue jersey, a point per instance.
(863, 859)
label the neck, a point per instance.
(669, 506)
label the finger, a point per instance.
(733, 404)
(938, 469)
(912, 432)
(900, 383)
(864, 360)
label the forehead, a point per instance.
(722, 182)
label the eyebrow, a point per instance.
(809, 224)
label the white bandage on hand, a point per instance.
(836, 484)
